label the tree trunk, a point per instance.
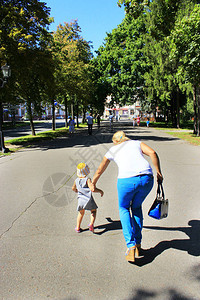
(198, 111)
(13, 117)
(77, 115)
(1, 128)
(53, 115)
(83, 117)
(178, 107)
(155, 114)
(167, 116)
(66, 112)
(195, 110)
(30, 116)
(72, 111)
(173, 109)
(1, 116)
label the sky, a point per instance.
(95, 17)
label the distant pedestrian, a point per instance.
(138, 120)
(98, 121)
(148, 122)
(90, 123)
(133, 123)
(71, 125)
(83, 186)
(111, 120)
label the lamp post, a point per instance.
(6, 74)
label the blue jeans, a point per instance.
(131, 193)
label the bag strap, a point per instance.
(160, 187)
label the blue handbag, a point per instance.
(159, 208)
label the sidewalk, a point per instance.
(42, 257)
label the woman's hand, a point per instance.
(159, 177)
(91, 186)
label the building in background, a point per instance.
(127, 111)
(19, 112)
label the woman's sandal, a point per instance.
(130, 254)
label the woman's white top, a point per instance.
(129, 158)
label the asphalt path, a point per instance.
(42, 257)
(40, 126)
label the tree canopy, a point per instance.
(153, 56)
(24, 37)
(122, 60)
(156, 47)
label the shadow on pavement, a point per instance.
(191, 245)
(112, 225)
(100, 136)
(172, 294)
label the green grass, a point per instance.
(179, 133)
(18, 124)
(30, 140)
(183, 125)
(186, 136)
(47, 135)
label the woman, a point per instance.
(135, 181)
(71, 125)
(138, 120)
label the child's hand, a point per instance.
(92, 187)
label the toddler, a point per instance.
(83, 186)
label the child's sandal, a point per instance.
(78, 230)
(91, 227)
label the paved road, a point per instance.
(42, 257)
(40, 126)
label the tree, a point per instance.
(134, 8)
(72, 55)
(122, 61)
(163, 87)
(23, 26)
(186, 49)
(161, 77)
(23, 35)
(100, 88)
(35, 81)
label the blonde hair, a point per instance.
(119, 137)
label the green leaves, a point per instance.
(121, 60)
(186, 49)
(72, 55)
